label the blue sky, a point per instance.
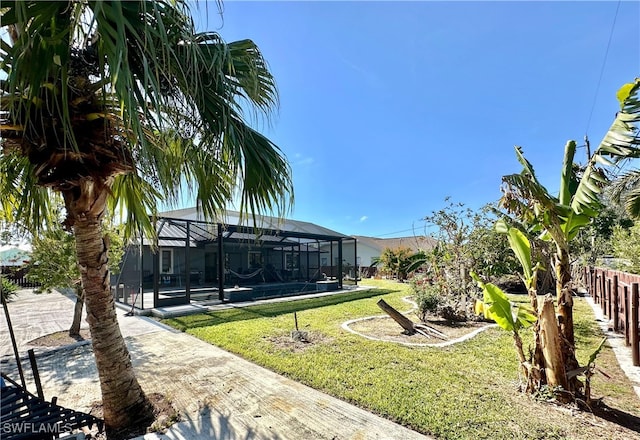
(386, 108)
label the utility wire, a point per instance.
(396, 232)
(604, 62)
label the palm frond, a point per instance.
(134, 201)
(21, 194)
(160, 100)
(626, 190)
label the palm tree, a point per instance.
(626, 190)
(114, 103)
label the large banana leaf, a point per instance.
(496, 306)
(620, 143)
(520, 246)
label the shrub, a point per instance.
(8, 288)
(427, 296)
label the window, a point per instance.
(166, 261)
(323, 261)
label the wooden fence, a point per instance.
(617, 294)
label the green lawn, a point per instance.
(466, 391)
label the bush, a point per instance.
(8, 288)
(453, 314)
(431, 300)
(426, 295)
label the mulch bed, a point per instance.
(61, 338)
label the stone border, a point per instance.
(345, 326)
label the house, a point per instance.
(369, 249)
(234, 258)
(12, 264)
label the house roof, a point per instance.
(414, 242)
(13, 256)
(270, 229)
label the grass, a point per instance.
(466, 391)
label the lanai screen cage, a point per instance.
(194, 260)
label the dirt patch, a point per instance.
(296, 343)
(59, 339)
(387, 329)
(164, 415)
(602, 422)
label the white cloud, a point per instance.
(363, 218)
(299, 159)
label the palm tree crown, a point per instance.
(129, 94)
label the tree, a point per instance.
(394, 262)
(559, 219)
(626, 246)
(466, 240)
(54, 264)
(122, 104)
(597, 239)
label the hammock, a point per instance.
(244, 276)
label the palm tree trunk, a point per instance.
(74, 330)
(124, 402)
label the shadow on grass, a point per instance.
(617, 416)
(268, 310)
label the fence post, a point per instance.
(635, 347)
(603, 293)
(609, 298)
(626, 315)
(616, 306)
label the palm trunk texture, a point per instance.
(124, 402)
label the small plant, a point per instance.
(453, 313)
(588, 370)
(431, 299)
(510, 317)
(8, 288)
(427, 297)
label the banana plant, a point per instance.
(559, 219)
(509, 316)
(555, 220)
(622, 138)
(495, 305)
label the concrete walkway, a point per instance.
(616, 341)
(219, 395)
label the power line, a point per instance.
(604, 62)
(396, 232)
